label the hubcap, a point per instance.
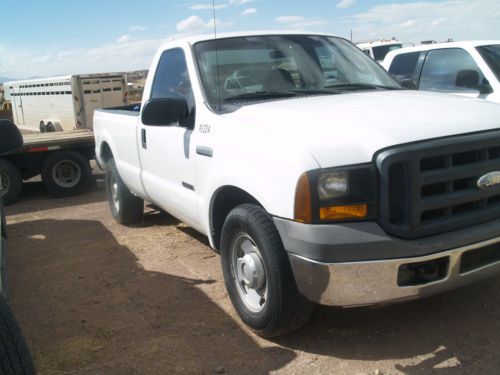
(67, 173)
(114, 189)
(249, 272)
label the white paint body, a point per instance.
(67, 101)
(263, 148)
(470, 47)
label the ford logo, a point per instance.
(488, 180)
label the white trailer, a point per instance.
(64, 102)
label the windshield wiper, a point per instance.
(360, 86)
(262, 95)
(315, 92)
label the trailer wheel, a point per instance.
(11, 181)
(15, 357)
(125, 207)
(43, 129)
(258, 276)
(51, 127)
(66, 173)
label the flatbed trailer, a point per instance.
(61, 158)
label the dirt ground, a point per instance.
(95, 297)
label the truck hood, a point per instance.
(350, 128)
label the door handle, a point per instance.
(143, 139)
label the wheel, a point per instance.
(125, 207)
(15, 357)
(43, 128)
(66, 173)
(11, 181)
(51, 127)
(258, 276)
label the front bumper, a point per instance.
(378, 281)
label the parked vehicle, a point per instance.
(306, 196)
(61, 158)
(378, 49)
(14, 354)
(5, 111)
(469, 68)
(65, 102)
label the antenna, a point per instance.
(216, 58)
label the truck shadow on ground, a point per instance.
(87, 306)
(457, 332)
(35, 197)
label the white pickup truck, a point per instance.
(316, 176)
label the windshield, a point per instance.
(379, 52)
(491, 54)
(266, 67)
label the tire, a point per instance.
(66, 173)
(15, 357)
(270, 305)
(43, 128)
(51, 128)
(125, 207)
(11, 181)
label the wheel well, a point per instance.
(224, 200)
(106, 152)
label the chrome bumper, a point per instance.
(376, 282)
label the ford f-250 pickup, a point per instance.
(316, 176)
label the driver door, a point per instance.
(168, 166)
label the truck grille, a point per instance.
(430, 187)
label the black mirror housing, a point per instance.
(164, 111)
(10, 137)
(469, 78)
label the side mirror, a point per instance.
(408, 84)
(10, 137)
(469, 78)
(164, 111)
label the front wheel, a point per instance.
(258, 276)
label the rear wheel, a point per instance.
(125, 207)
(66, 173)
(11, 181)
(51, 127)
(258, 275)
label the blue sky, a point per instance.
(53, 37)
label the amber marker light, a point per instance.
(355, 211)
(303, 212)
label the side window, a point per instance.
(441, 70)
(403, 65)
(172, 79)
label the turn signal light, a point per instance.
(303, 212)
(355, 211)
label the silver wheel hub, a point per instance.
(67, 173)
(114, 193)
(249, 272)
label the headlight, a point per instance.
(333, 185)
(337, 194)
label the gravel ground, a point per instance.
(95, 297)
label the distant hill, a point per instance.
(5, 79)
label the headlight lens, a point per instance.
(333, 185)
